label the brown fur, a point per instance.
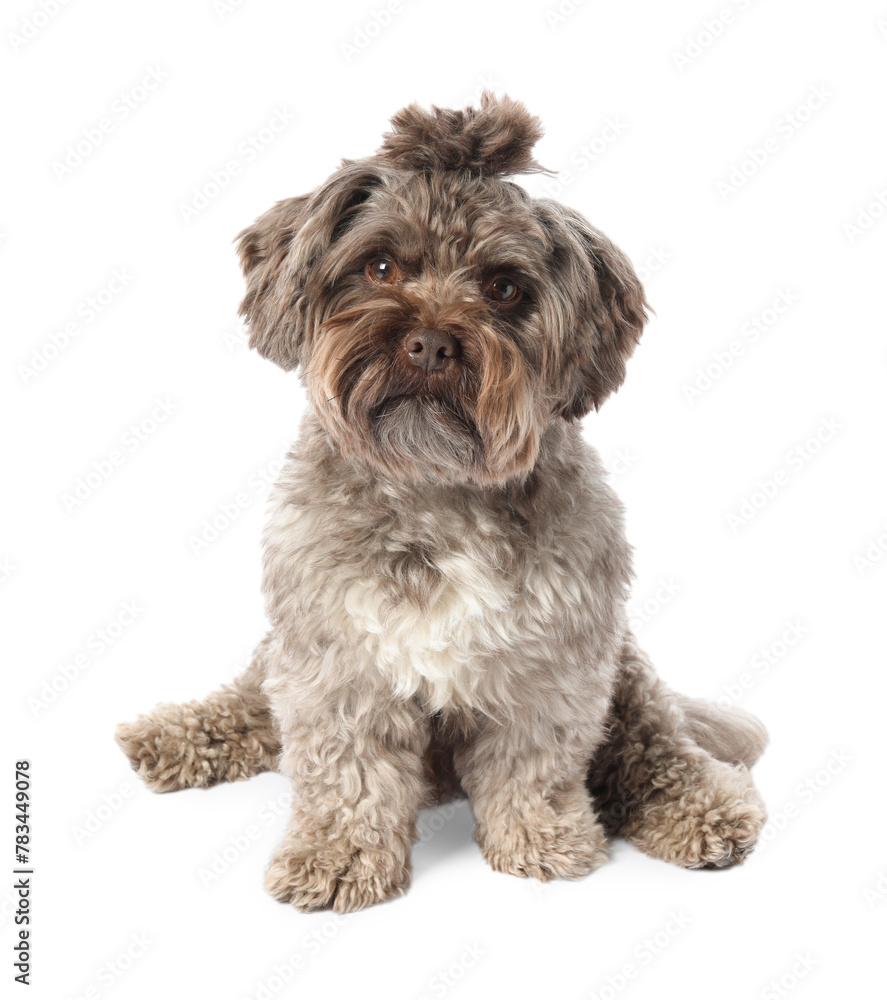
(445, 566)
(496, 138)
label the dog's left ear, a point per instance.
(268, 307)
(607, 305)
(280, 252)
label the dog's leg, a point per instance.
(356, 759)
(229, 736)
(533, 812)
(672, 776)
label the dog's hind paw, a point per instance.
(199, 744)
(729, 837)
(162, 755)
(715, 824)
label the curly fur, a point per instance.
(445, 566)
(496, 138)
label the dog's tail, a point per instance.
(229, 736)
(729, 734)
(646, 704)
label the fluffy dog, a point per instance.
(445, 566)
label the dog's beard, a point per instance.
(476, 421)
(431, 431)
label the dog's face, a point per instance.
(441, 317)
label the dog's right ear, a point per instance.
(279, 252)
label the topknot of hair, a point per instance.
(494, 139)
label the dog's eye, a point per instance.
(504, 289)
(382, 270)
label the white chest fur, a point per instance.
(442, 646)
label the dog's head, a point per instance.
(441, 317)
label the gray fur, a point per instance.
(446, 568)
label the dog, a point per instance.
(445, 567)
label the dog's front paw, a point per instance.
(544, 851)
(335, 875)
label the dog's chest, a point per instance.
(434, 619)
(438, 604)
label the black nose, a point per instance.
(430, 349)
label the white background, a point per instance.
(686, 110)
